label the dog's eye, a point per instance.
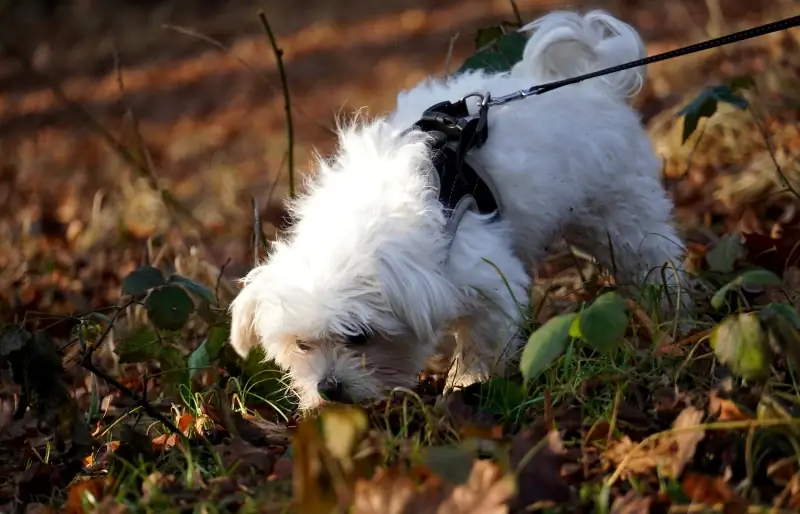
(357, 340)
(303, 347)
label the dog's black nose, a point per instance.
(331, 390)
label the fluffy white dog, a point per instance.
(368, 283)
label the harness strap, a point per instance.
(454, 132)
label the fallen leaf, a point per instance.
(95, 487)
(631, 503)
(326, 464)
(782, 471)
(487, 491)
(725, 409)
(708, 490)
(186, 423)
(671, 451)
(391, 492)
(538, 460)
(245, 458)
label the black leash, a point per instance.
(454, 132)
(735, 37)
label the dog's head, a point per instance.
(352, 302)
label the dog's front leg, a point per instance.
(488, 334)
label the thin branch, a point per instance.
(517, 15)
(287, 104)
(138, 400)
(93, 124)
(772, 155)
(449, 59)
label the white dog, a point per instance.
(369, 281)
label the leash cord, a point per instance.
(735, 37)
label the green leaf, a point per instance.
(451, 463)
(705, 105)
(12, 339)
(142, 280)
(545, 346)
(202, 292)
(783, 335)
(786, 310)
(498, 56)
(754, 277)
(205, 354)
(169, 307)
(723, 254)
(488, 35)
(740, 343)
(139, 345)
(604, 322)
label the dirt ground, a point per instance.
(214, 126)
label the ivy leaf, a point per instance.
(741, 343)
(140, 345)
(782, 333)
(705, 105)
(499, 54)
(754, 277)
(202, 292)
(722, 256)
(12, 339)
(545, 346)
(142, 280)
(169, 307)
(788, 311)
(209, 349)
(604, 322)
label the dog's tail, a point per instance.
(565, 44)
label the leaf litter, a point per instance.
(613, 412)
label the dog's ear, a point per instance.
(421, 297)
(243, 312)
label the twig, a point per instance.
(91, 122)
(219, 279)
(771, 151)
(138, 400)
(87, 355)
(449, 59)
(287, 104)
(517, 15)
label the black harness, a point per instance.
(453, 134)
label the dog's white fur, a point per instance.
(368, 248)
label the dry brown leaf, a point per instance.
(725, 409)
(709, 490)
(631, 503)
(686, 441)
(486, 492)
(331, 454)
(246, 458)
(670, 452)
(390, 492)
(782, 471)
(95, 487)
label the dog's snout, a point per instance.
(332, 390)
